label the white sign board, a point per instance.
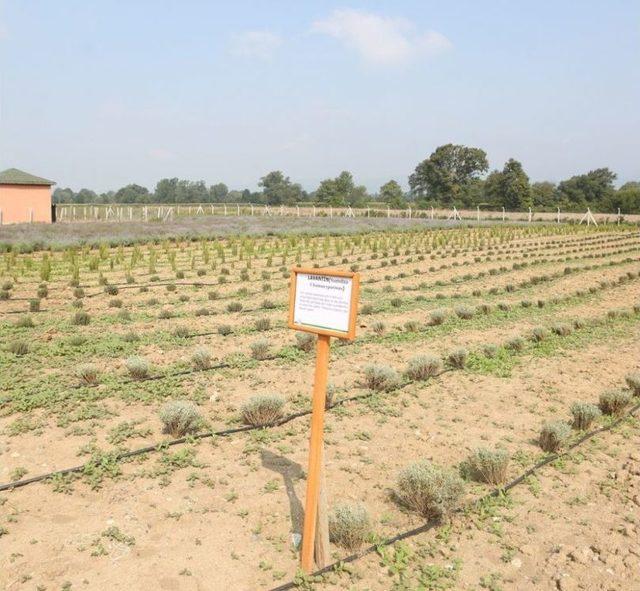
(323, 302)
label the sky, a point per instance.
(103, 93)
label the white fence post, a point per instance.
(503, 214)
(558, 217)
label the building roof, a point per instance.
(13, 176)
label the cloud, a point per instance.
(380, 39)
(255, 44)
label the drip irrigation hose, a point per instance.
(494, 493)
(225, 433)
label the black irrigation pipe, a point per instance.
(432, 525)
(170, 443)
(224, 364)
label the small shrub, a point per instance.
(138, 367)
(234, 307)
(515, 344)
(539, 333)
(268, 305)
(366, 309)
(486, 465)
(24, 322)
(130, 337)
(115, 303)
(554, 435)
(262, 324)
(77, 340)
(378, 327)
(349, 525)
(77, 304)
(111, 290)
(201, 358)
(411, 326)
(123, 315)
(213, 295)
(437, 317)
(180, 417)
(490, 350)
(182, 332)
(43, 291)
(562, 329)
(396, 302)
(202, 312)
(34, 305)
(458, 358)
(464, 312)
(179, 274)
(262, 410)
(260, 349)
(80, 318)
(613, 402)
(423, 367)
(429, 490)
(78, 292)
(5, 294)
(504, 306)
(633, 381)
(165, 314)
(224, 330)
(19, 347)
(584, 414)
(171, 287)
(484, 308)
(305, 341)
(87, 373)
(381, 378)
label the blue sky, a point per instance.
(103, 93)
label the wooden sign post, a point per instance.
(323, 302)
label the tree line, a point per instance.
(453, 175)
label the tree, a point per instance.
(593, 189)
(447, 172)
(511, 187)
(391, 193)
(341, 191)
(627, 198)
(132, 194)
(166, 190)
(218, 192)
(63, 195)
(85, 196)
(544, 195)
(278, 189)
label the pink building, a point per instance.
(24, 198)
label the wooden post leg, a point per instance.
(315, 453)
(321, 553)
